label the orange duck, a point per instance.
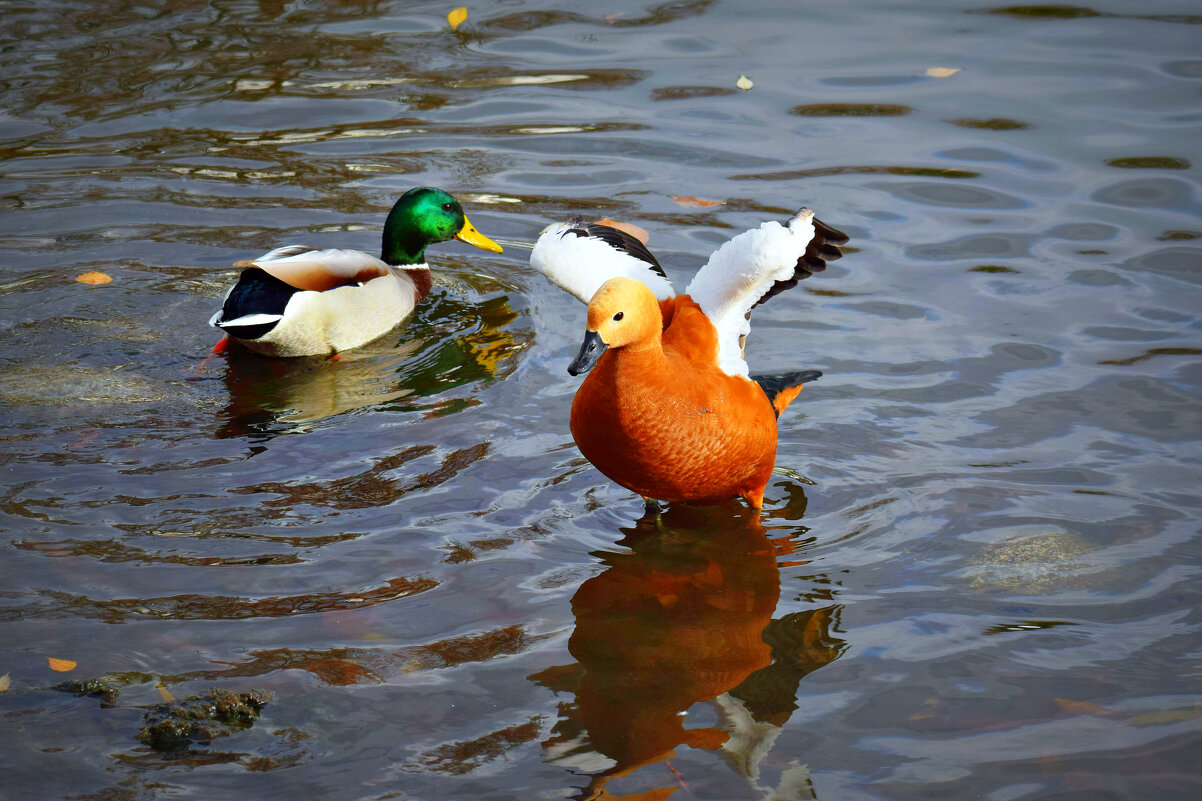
(669, 410)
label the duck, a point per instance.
(298, 300)
(668, 408)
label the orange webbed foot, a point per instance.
(217, 350)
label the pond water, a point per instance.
(977, 570)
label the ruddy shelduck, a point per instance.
(668, 409)
(300, 301)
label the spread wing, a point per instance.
(579, 257)
(754, 266)
(823, 247)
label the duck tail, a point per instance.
(783, 388)
(254, 305)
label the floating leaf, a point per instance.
(61, 665)
(638, 233)
(941, 72)
(925, 711)
(1081, 707)
(5, 682)
(456, 17)
(744, 82)
(695, 202)
(93, 278)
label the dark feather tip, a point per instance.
(823, 247)
(830, 234)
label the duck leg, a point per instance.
(217, 350)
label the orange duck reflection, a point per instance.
(685, 617)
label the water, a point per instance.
(976, 575)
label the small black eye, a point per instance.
(619, 316)
(448, 206)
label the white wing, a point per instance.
(741, 272)
(579, 258)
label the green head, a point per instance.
(423, 216)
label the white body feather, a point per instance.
(323, 322)
(579, 265)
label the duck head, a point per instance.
(622, 313)
(425, 215)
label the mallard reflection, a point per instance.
(447, 344)
(305, 390)
(684, 617)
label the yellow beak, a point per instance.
(469, 234)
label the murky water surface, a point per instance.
(976, 575)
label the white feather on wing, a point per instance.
(741, 272)
(579, 265)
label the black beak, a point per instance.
(590, 352)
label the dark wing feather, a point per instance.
(257, 292)
(618, 240)
(774, 385)
(823, 247)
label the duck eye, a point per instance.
(619, 316)
(448, 206)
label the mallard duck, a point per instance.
(300, 301)
(668, 409)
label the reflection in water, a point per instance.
(685, 617)
(306, 390)
(447, 343)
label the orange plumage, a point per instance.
(669, 411)
(657, 414)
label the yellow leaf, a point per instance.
(695, 202)
(5, 682)
(163, 693)
(457, 17)
(744, 82)
(1081, 707)
(61, 665)
(942, 72)
(93, 278)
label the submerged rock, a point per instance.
(200, 718)
(106, 688)
(1033, 563)
(71, 384)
